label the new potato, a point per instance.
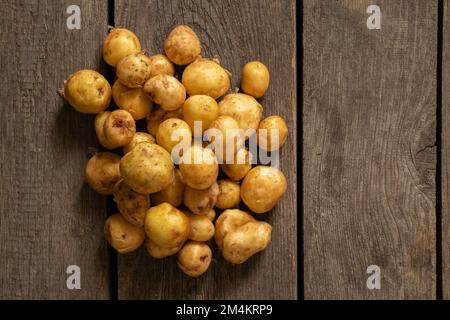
(229, 194)
(102, 172)
(122, 235)
(255, 79)
(118, 44)
(166, 91)
(201, 201)
(182, 45)
(226, 137)
(201, 108)
(133, 100)
(173, 193)
(138, 138)
(134, 70)
(240, 166)
(159, 115)
(160, 64)
(172, 132)
(199, 167)
(272, 133)
(119, 128)
(158, 252)
(194, 258)
(132, 205)
(202, 228)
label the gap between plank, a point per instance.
(300, 231)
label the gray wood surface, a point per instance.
(369, 149)
(237, 32)
(49, 218)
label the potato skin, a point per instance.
(166, 91)
(87, 91)
(231, 142)
(100, 119)
(194, 258)
(118, 44)
(138, 138)
(159, 115)
(265, 133)
(206, 77)
(167, 226)
(160, 64)
(167, 128)
(229, 194)
(211, 214)
(228, 221)
(132, 205)
(262, 188)
(243, 108)
(173, 193)
(158, 252)
(255, 79)
(122, 235)
(147, 168)
(202, 228)
(133, 100)
(199, 167)
(241, 165)
(102, 172)
(182, 45)
(133, 70)
(201, 201)
(200, 108)
(119, 128)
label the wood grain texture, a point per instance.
(49, 218)
(236, 32)
(369, 149)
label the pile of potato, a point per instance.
(167, 207)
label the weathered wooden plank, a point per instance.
(369, 149)
(49, 218)
(237, 32)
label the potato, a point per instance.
(201, 201)
(182, 45)
(241, 165)
(118, 44)
(122, 235)
(87, 91)
(272, 133)
(119, 128)
(228, 221)
(229, 141)
(200, 108)
(138, 138)
(229, 194)
(102, 172)
(194, 258)
(159, 115)
(243, 108)
(211, 214)
(199, 167)
(172, 132)
(158, 252)
(133, 70)
(132, 205)
(160, 64)
(245, 241)
(166, 91)
(167, 226)
(173, 193)
(147, 168)
(255, 79)
(202, 228)
(133, 100)
(99, 125)
(262, 188)
(206, 77)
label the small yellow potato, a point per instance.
(262, 188)
(194, 258)
(229, 194)
(245, 241)
(167, 226)
(229, 141)
(133, 70)
(122, 235)
(243, 108)
(201, 201)
(100, 119)
(102, 172)
(211, 214)
(133, 100)
(158, 252)
(172, 132)
(173, 193)
(160, 64)
(200, 108)
(87, 91)
(147, 168)
(118, 44)
(159, 115)
(206, 77)
(199, 167)
(138, 138)
(182, 45)
(255, 79)
(166, 91)
(228, 221)
(119, 128)
(272, 133)
(240, 166)
(132, 205)
(202, 228)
